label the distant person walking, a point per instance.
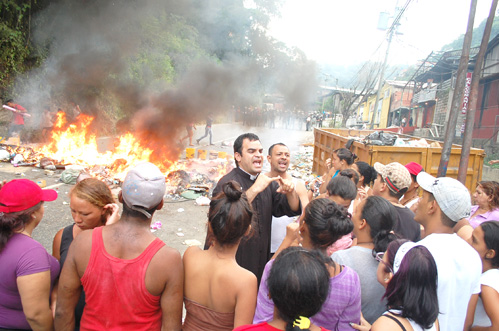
(17, 124)
(190, 133)
(207, 130)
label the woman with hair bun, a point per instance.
(218, 293)
(298, 285)
(483, 310)
(373, 220)
(408, 272)
(322, 223)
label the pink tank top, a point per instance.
(115, 289)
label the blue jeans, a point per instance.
(207, 131)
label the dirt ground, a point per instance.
(180, 221)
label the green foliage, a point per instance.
(17, 55)
(477, 36)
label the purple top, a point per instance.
(341, 307)
(20, 257)
(491, 215)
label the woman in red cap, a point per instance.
(28, 272)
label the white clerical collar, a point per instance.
(252, 177)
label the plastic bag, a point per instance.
(380, 138)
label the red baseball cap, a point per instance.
(414, 168)
(21, 194)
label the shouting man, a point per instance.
(268, 195)
(279, 159)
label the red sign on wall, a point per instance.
(466, 94)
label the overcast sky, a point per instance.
(345, 32)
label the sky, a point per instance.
(345, 32)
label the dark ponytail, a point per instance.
(367, 171)
(345, 154)
(230, 214)
(381, 216)
(298, 284)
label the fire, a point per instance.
(74, 144)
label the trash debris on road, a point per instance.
(203, 201)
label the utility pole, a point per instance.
(381, 76)
(470, 115)
(450, 132)
(391, 31)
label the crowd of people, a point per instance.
(387, 247)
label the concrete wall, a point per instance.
(490, 173)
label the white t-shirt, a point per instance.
(489, 278)
(278, 231)
(459, 270)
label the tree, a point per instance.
(363, 86)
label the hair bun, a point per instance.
(232, 190)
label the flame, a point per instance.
(74, 144)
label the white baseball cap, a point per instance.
(452, 196)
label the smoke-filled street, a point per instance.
(177, 226)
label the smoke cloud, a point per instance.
(111, 55)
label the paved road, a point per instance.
(181, 221)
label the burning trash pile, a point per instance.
(74, 151)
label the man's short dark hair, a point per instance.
(9, 100)
(444, 218)
(272, 147)
(343, 187)
(238, 143)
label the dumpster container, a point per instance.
(328, 140)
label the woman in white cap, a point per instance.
(27, 271)
(409, 274)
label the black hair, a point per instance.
(298, 284)
(413, 288)
(327, 222)
(342, 186)
(15, 221)
(9, 100)
(238, 143)
(491, 238)
(129, 212)
(398, 194)
(350, 173)
(230, 214)
(367, 171)
(345, 154)
(381, 216)
(271, 148)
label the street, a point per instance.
(181, 221)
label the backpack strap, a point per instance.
(396, 321)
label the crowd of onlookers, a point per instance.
(383, 247)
